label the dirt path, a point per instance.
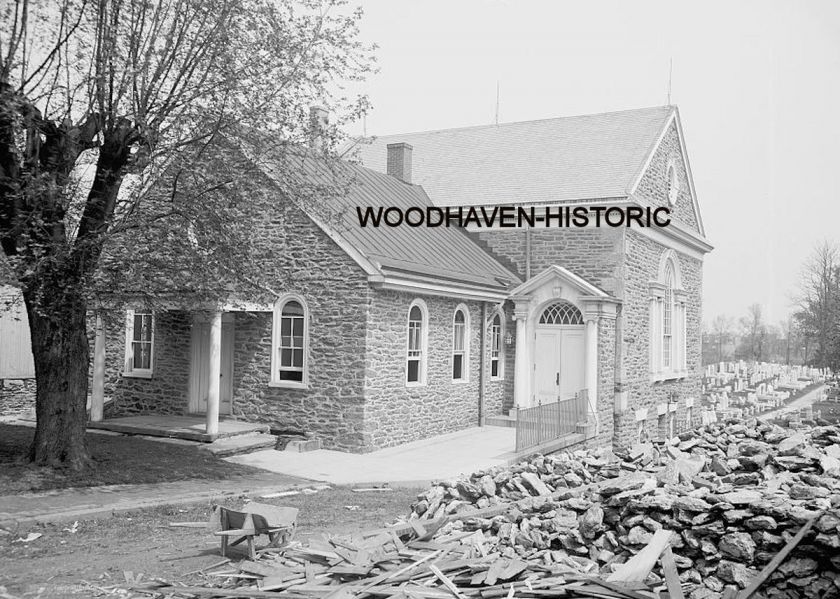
(62, 563)
(806, 400)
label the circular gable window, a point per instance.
(673, 184)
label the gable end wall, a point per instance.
(296, 257)
(653, 184)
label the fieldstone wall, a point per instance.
(17, 396)
(594, 254)
(653, 186)
(396, 413)
(300, 258)
(606, 381)
(642, 265)
(166, 391)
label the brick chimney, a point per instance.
(399, 161)
(318, 121)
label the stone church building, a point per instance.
(384, 335)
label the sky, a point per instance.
(757, 84)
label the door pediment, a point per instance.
(556, 282)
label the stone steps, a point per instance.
(239, 444)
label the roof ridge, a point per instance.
(357, 140)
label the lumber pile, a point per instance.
(735, 509)
(441, 559)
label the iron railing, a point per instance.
(549, 421)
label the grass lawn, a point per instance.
(115, 460)
(829, 410)
(68, 561)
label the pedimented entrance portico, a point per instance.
(557, 319)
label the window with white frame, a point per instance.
(668, 317)
(460, 345)
(290, 340)
(139, 343)
(497, 335)
(415, 370)
(667, 321)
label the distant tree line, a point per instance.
(809, 335)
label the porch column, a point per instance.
(97, 397)
(591, 364)
(215, 372)
(522, 370)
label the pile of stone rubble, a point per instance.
(734, 494)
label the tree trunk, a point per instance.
(58, 328)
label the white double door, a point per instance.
(559, 359)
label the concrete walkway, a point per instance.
(445, 456)
(66, 505)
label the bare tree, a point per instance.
(722, 331)
(103, 103)
(819, 305)
(754, 334)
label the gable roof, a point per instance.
(565, 159)
(555, 272)
(413, 256)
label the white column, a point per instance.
(522, 375)
(97, 397)
(591, 365)
(684, 338)
(215, 372)
(653, 345)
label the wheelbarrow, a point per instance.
(253, 520)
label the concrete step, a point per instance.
(501, 420)
(239, 444)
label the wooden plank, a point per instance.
(777, 559)
(188, 524)
(446, 582)
(672, 577)
(639, 566)
(211, 592)
(262, 569)
(389, 575)
(494, 571)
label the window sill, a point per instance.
(494, 379)
(133, 374)
(659, 377)
(287, 385)
(460, 381)
(418, 384)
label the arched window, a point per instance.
(561, 313)
(460, 344)
(497, 334)
(667, 321)
(417, 343)
(290, 341)
(668, 317)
